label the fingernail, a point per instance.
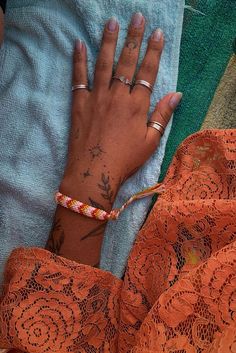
(112, 24)
(137, 19)
(157, 35)
(79, 45)
(175, 100)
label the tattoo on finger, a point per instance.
(131, 44)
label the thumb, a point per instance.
(161, 115)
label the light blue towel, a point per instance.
(35, 101)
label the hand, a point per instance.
(109, 134)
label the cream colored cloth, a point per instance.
(222, 111)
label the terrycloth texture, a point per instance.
(178, 293)
(205, 51)
(120, 235)
(35, 83)
(222, 111)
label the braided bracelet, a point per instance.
(93, 212)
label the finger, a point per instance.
(80, 75)
(129, 57)
(104, 65)
(150, 65)
(162, 114)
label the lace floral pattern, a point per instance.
(179, 290)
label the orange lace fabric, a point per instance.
(179, 290)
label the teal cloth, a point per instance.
(35, 95)
(206, 47)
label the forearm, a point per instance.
(77, 237)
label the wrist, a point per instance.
(97, 188)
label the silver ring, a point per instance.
(145, 84)
(75, 87)
(158, 126)
(122, 79)
(156, 122)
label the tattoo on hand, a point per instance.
(95, 204)
(95, 232)
(106, 188)
(96, 151)
(86, 173)
(56, 238)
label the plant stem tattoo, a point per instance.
(95, 151)
(56, 238)
(105, 186)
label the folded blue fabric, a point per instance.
(35, 96)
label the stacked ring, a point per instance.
(158, 126)
(145, 84)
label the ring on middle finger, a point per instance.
(123, 79)
(144, 83)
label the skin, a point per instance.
(109, 138)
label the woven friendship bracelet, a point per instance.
(96, 213)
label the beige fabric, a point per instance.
(222, 111)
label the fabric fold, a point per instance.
(35, 94)
(178, 292)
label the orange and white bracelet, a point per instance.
(96, 213)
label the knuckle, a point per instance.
(109, 37)
(156, 47)
(103, 63)
(128, 59)
(78, 58)
(135, 32)
(149, 67)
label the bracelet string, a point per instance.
(96, 213)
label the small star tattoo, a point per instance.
(86, 173)
(96, 151)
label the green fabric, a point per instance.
(205, 50)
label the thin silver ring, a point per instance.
(145, 84)
(157, 126)
(75, 87)
(122, 79)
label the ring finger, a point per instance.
(129, 57)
